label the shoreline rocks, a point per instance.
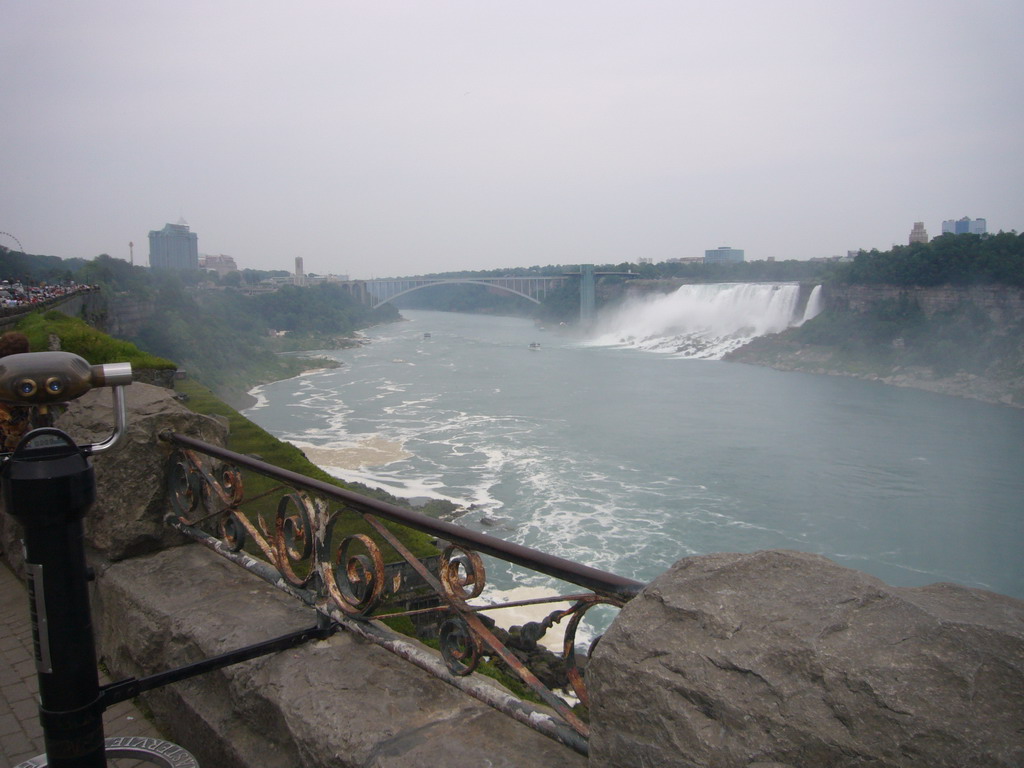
(787, 356)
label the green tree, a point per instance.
(946, 260)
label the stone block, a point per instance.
(341, 702)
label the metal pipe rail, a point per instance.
(599, 581)
(349, 582)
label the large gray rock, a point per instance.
(131, 499)
(341, 702)
(787, 658)
(127, 517)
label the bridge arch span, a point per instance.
(378, 302)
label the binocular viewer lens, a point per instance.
(37, 378)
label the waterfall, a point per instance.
(814, 305)
(703, 321)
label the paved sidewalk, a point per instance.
(20, 735)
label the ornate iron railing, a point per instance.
(327, 546)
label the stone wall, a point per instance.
(341, 702)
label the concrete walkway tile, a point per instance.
(21, 736)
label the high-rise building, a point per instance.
(964, 226)
(723, 255)
(300, 276)
(174, 247)
(918, 234)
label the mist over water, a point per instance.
(601, 452)
(705, 321)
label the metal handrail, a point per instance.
(599, 581)
(350, 589)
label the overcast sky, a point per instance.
(382, 139)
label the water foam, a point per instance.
(702, 321)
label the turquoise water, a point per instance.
(626, 458)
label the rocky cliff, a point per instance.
(125, 316)
(961, 341)
(1003, 304)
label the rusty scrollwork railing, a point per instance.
(328, 547)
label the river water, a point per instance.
(628, 450)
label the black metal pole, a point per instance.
(48, 485)
(131, 687)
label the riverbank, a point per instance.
(305, 355)
(786, 355)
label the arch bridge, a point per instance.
(533, 289)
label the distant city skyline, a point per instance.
(723, 254)
(965, 226)
(176, 247)
(507, 135)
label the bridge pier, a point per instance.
(587, 294)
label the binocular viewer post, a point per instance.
(48, 486)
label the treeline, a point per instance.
(104, 270)
(747, 271)
(946, 260)
(221, 336)
(323, 309)
(227, 340)
(30, 269)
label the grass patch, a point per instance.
(80, 338)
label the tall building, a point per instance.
(723, 255)
(918, 234)
(300, 275)
(964, 226)
(174, 247)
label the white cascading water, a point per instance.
(814, 305)
(704, 321)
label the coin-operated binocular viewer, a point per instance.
(48, 486)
